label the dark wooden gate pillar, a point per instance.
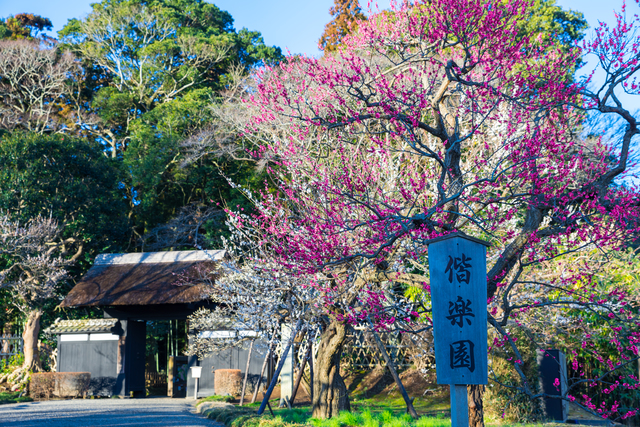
(134, 362)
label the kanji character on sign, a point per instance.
(462, 268)
(460, 311)
(461, 355)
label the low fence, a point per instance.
(10, 345)
(361, 350)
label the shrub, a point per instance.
(72, 384)
(42, 385)
(45, 385)
(507, 404)
(8, 365)
(216, 398)
(13, 397)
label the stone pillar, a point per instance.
(286, 375)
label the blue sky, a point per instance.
(291, 24)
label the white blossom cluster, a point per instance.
(255, 295)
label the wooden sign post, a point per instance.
(458, 270)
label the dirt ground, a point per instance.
(376, 385)
(379, 381)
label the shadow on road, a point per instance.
(103, 412)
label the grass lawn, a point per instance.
(11, 397)
(375, 402)
(431, 406)
(365, 413)
(216, 398)
(301, 416)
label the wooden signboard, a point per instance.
(458, 271)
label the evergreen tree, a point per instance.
(153, 69)
(24, 26)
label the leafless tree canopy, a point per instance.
(36, 264)
(183, 230)
(33, 79)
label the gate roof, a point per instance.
(149, 278)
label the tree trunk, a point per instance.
(6, 344)
(329, 390)
(476, 410)
(30, 337)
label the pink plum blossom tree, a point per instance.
(439, 117)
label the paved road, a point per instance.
(104, 412)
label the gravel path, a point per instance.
(147, 412)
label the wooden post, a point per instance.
(170, 373)
(410, 409)
(311, 371)
(459, 405)
(274, 380)
(287, 380)
(264, 365)
(170, 344)
(458, 271)
(246, 373)
(299, 378)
